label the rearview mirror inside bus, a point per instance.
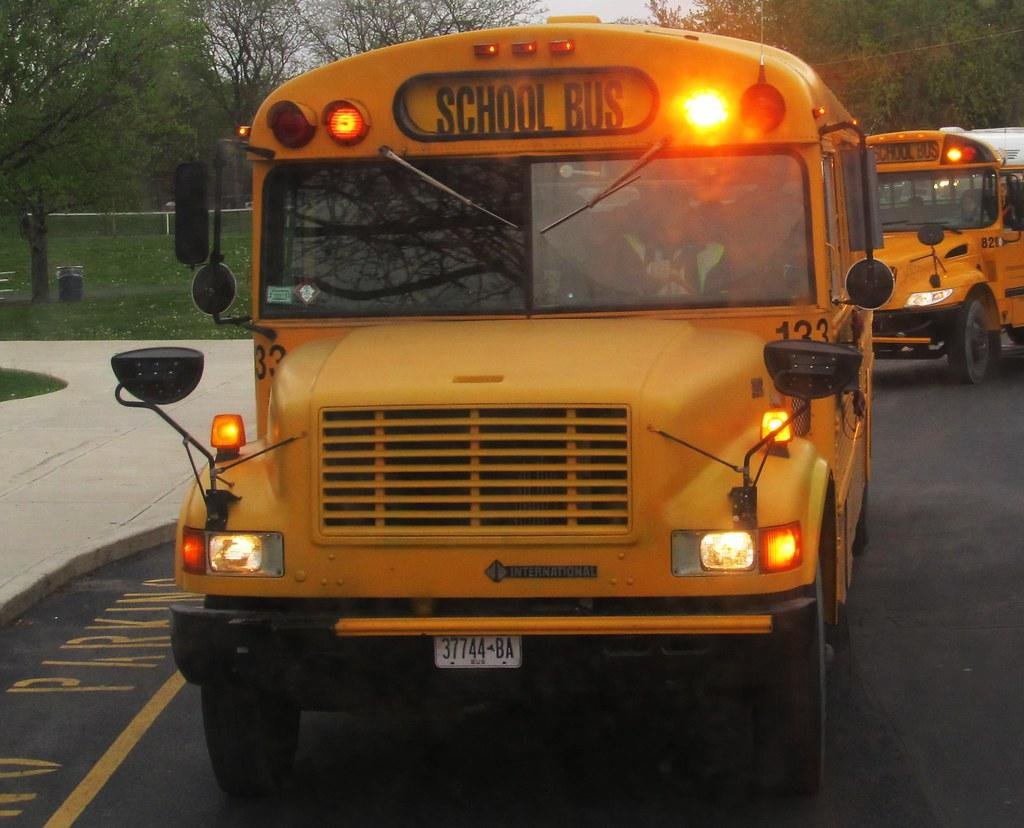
(214, 288)
(810, 370)
(191, 217)
(870, 283)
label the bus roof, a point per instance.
(931, 147)
(1008, 140)
(556, 87)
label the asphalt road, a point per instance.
(925, 720)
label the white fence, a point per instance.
(156, 223)
(3, 281)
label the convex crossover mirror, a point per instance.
(214, 288)
(870, 283)
(810, 370)
(159, 376)
(930, 235)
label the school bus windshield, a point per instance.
(955, 199)
(375, 239)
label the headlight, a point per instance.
(259, 554)
(929, 297)
(724, 551)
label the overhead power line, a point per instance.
(915, 49)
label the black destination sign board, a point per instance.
(482, 106)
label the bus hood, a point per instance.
(913, 265)
(558, 362)
(705, 385)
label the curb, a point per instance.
(22, 592)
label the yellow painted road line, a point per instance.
(28, 767)
(110, 761)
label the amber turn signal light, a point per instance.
(227, 434)
(780, 548)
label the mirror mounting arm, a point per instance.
(247, 323)
(216, 500)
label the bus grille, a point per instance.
(474, 471)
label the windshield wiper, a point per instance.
(624, 180)
(388, 153)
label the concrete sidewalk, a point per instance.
(84, 480)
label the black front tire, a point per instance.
(251, 738)
(789, 712)
(973, 349)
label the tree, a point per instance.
(251, 46)
(82, 105)
(340, 28)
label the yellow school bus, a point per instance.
(563, 374)
(952, 215)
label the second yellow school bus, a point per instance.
(560, 389)
(952, 212)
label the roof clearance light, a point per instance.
(780, 548)
(345, 122)
(818, 112)
(290, 125)
(528, 47)
(562, 47)
(485, 50)
(227, 433)
(762, 107)
(243, 131)
(706, 110)
(772, 420)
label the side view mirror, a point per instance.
(214, 288)
(810, 370)
(930, 235)
(159, 376)
(870, 283)
(191, 216)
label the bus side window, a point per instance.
(1013, 204)
(828, 170)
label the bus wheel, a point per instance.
(789, 712)
(972, 348)
(251, 737)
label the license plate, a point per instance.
(467, 651)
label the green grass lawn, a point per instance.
(17, 384)
(133, 288)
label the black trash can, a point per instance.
(70, 283)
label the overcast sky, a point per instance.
(607, 10)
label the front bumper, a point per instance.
(919, 334)
(324, 659)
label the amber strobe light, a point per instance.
(705, 110)
(345, 122)
(780, 548)
(227, 434)
(193, 551)
(771, 420)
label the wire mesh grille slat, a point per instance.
(475, 470)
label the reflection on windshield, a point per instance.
(376, 239)
(690, 232)
(955, 199)
(372, 240)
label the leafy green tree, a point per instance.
(85, 106)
